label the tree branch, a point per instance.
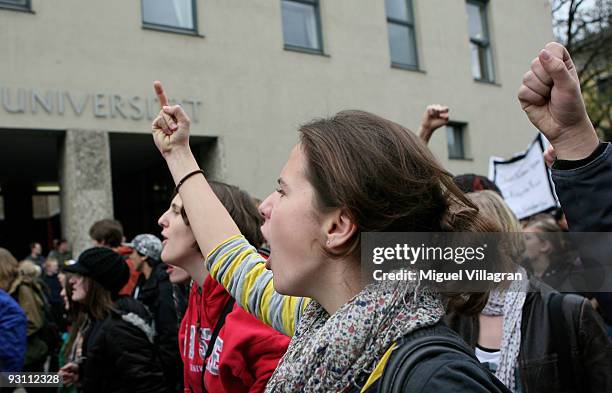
(570, 22)
(585, 80)
(585, 67)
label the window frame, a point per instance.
(27, 7)
(172, 29)
(316, 4)
(483, 44)
(462, 126)
(411, 25)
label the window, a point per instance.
(402, 39)
(302, 25)
(45, 206)
(455, 140)
(21, 5)
(170, 15)
(480, 46)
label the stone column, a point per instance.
(86, 187)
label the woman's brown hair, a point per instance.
(9, 269)
(76, 316)
(98, 301)
(241, 208)
(386, 180)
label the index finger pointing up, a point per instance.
(163, 102)
(161, 96)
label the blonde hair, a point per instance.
(29, 271)
(8, 269)
(491, 205)
(544, 223)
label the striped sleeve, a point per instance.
(241, 270)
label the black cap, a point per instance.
(104, 266)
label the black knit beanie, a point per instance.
(104, 266)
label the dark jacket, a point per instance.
(538, 358)
(157, 294)
(584, 188)
(120, 354)
(53, 289)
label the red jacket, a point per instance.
(246, 351)
(134, 274)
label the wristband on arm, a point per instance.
(187, 176)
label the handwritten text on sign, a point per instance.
(524, 181)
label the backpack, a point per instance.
(419, 347)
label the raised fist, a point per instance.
(435, 116)
(550, 96)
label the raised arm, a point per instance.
(231, 260)
(209, 220)
(241, 270)
(581, 166)
(434, 117)
(550, 96)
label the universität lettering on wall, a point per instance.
(62, 102)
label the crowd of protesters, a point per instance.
(247, 298)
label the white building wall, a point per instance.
(253, 93)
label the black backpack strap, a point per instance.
(213, 338)
(561, 340)
(220, 322)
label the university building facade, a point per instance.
(76, 98)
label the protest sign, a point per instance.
(524, 180)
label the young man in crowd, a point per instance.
(109, 233)
(36, 254)
(61, 253)
(154, 290)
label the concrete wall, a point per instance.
(253, 93)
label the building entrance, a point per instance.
(30, 203)
(142, 185)
(29, 189)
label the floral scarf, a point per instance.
(336, 353)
